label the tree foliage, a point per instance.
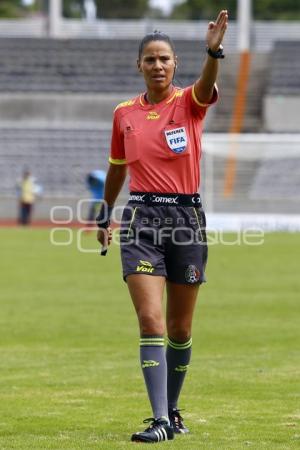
(72, 9)
(136, 9)
(120, 9)
(11, 9)
(276, 9)
(108, 9)
(262, 9)
(203, 9)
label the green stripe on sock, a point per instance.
(178, 346)
(151, 339)
(159, 342)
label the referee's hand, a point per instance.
(216, 30)
(104, 236)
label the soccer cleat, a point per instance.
(176, 422)
(158, 431)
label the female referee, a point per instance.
(163, 240)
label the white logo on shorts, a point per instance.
(136, 198)
(166, 200)
(176, 139)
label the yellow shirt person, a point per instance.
(27, 190)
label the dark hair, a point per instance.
(155, 36)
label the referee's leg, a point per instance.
(181, 301)
(147, 294)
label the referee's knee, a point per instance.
(180, 332)
(151, 324)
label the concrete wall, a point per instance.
(67, 209)
(281, 113)
(58, 108)
(63, 109)
(62, 209)
(42, 208)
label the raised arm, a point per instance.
(204, 86)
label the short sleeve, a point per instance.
(199, 109)
(117, 151)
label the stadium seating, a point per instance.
(283, 88)
(59, 158)
(83, 65)
(68, 142)
(286, 172)
(285, 69)
(108, 66)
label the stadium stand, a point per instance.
(277, 179)
(100, 66)
(59, 158)
(56, 93)
(285, 68)
(227, 84)
(82, 65)
(283, 88)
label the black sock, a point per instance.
(178, 357)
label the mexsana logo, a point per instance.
(181, 368)
(152, 115)
(149, 363)
(145, 266)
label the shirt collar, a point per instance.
(145, 104)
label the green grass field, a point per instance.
(70, 376)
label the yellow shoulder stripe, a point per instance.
(127, 103)
(204, 105)
(177, 93)
(141, 101)
(119, 162)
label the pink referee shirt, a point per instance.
(161, 143)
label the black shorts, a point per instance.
(164, 240)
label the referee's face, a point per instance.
(157, 64)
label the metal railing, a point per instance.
(262, 38)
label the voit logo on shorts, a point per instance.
(145, 266)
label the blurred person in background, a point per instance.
(95, 181)
(28, 191)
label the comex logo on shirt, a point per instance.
(176, 139)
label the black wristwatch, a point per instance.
(103, 218)
(218, 54)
